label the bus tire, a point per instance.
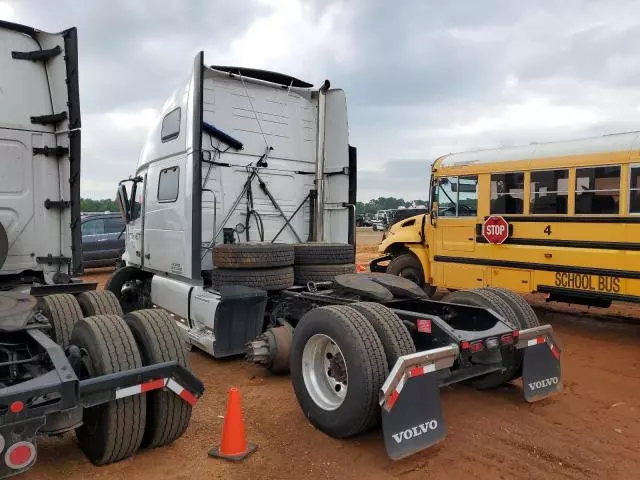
(63, 311)
(408, 266)
(112, 431)
(396, 339)
(159, 340)
(487, 299)
(526, 316)
(99, 302)
(352, 409)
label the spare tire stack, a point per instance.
(322, 262)
(260, 265)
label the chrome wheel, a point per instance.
(324, 372)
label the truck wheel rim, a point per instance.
(324, 371)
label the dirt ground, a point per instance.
(591, 430)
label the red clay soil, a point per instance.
(589, 431)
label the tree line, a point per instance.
(385, 203)
(104, 205)
(362, 208)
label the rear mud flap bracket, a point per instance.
(412, 417)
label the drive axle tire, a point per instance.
(132, 288)
(253, 255)
(485, 298)
(526, 316)
(159, 340)
(320, 273)
(408, 266)
(99, 302)
(112, 431)
(63, 311)
(271, 279)
(318, 253)
(337, 368)
(396, 339)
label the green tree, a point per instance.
(103, 205)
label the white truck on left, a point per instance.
(69, 358)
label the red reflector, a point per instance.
(465, 345)
(506, 339)
(16, 407)
(20, 455)
(423, 325)
(477, 346)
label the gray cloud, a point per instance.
(422, 78)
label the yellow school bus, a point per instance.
(570, 212)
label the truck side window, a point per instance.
(634, 189)
(507, 193)
(170, 125)
(468, 196)
(168, 184)
(598, 190)
(447, 197)
(549, 191)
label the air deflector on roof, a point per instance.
(266, 75)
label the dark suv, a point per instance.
(102, 243)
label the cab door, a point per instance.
(453, 220)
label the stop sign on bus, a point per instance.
(495, 229)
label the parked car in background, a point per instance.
(102, 239)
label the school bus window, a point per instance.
(447, 197)
(507, 193)
(467, 196)
(598, 190)
(549, 191)
(634, 190)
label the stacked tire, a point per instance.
(322, 262)
(260, 265)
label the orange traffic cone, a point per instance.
(234, 441)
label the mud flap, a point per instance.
(412, 417)
(541, 375)
(415, 421)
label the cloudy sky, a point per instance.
(423, 78)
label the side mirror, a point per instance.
(433, 214)
(123, 203)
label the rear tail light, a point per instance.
(20, 455)
(477, 346)
(16, 407)
(507, 339)
(516, 334)
(465, 345)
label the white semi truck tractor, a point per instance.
(240, 223)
